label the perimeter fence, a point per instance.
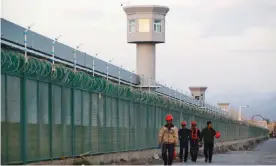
(48, 114)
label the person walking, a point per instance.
(194, 141)
(168, 138)
(184, 136)
(207, 134)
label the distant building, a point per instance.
(224, 106)
(198, 93)
(233, 112)
(261, 123)
(271, 127)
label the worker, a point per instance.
(184, 135)
(194, 141)
(168, 138)
(207, 134)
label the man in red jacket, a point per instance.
(194, 141)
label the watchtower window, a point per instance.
(157, 26)
(131, 26)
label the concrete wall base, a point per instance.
(220, 147)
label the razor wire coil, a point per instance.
(14, 62)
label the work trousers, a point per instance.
(208, 150)
(194, 151)
(185, 147)
(167, 148)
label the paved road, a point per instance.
(263, 154)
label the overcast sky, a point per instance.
(227, 45)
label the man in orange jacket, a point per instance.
(168, 138)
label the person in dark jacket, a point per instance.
(194, 141)
(207, 134)
(184, 136)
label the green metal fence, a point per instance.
(47, 114)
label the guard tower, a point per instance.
(146, 28)
(224, 106)
(198, 93)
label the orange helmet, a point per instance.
(193, 122)
(183, 123)
(169, 117)
(174, 155)
(217, 135)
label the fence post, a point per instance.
(39, 121)
(147, 133)
(6, 121)
(90, 121)
(117, 112)
(129, 126)
(50, 119)
(82, 125)
(63, 121)
(104, 137)
(98, 120)
(23, 120)
(72, 123)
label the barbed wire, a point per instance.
(14, 62)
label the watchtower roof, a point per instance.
(163, 10)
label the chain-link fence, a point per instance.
(48, 114)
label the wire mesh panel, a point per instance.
(131, 125)
(141, 124)
(159, 119)
(86, 122)
(56, 119)
(108, 137)
(114, 124)
(136, 125)
(122, 125)
(48, 114)
(102, 126)
(151, 127)
(176, 120)
(32, 120)
(125, 122)
(4, 124)
(43, 120)
(67, 130)
(12, 128)
(94, 123)
(78, 129)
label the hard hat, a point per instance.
(183, 123)
(174, 154)
(217, 135)
(169, 117)
(193, 122)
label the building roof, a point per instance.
(163, 10)
(200, 88)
